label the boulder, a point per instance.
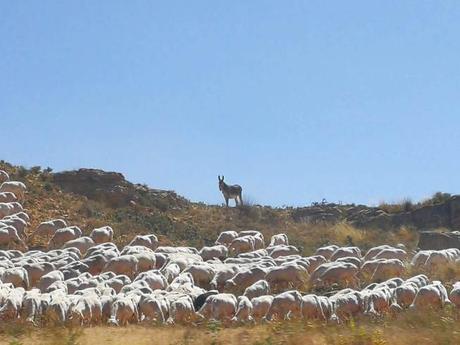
(112, 189)
(439, 240)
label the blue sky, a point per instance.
(357, 101)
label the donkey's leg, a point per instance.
(226, 201)
(241, 199)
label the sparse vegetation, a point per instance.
(406, 205)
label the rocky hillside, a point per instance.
(445, 214)
(90, 198)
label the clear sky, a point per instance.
(357, 101)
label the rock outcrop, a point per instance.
(442, 215)
(113, 189)
(438, 240)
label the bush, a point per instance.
(36, 170)
(439, 198)
(407, 205)
(22, 172)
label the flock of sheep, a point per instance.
(87, 280)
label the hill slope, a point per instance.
(90, 198)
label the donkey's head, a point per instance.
(221, 182)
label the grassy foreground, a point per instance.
(409, 328)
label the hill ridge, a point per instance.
(91, 198)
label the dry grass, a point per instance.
(447, 273)
(430, 327)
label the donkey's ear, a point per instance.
(218, 177)
(222, 177)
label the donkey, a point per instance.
(231, 192)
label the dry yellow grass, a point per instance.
(430, 327)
